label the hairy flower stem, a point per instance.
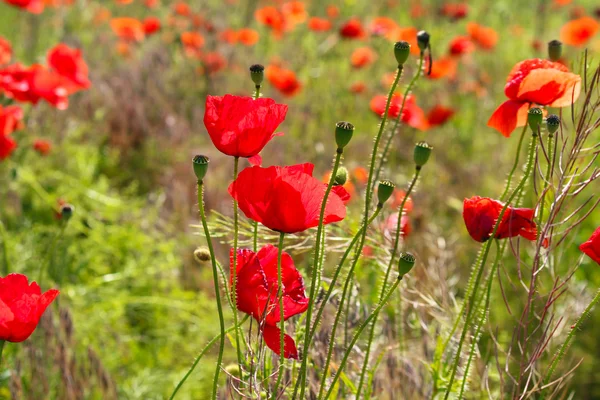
(236, 161)
(392, 133)
(546, 179)
(204, 350)
(567, 343)
(515, 164)
(471, 299)
(213, 262)
(359, 331)
(385, 280)
(255, 223)
(281, 318)
(315, 282)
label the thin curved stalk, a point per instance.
(236, 161)
(281, 317)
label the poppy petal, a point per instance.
(508, 116)
(272, 336)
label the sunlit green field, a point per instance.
(136, 307)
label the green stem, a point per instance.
(254, 223)
(385, 279)
(256, 92)
(484, 259)
(281, 317)
(50, 250)
(204, 350)
(1, 348)
(315, 282)
(391, 135)
(5, 261)
(216, 284)
(236, 161)
(547, 179)
(357, 336)
(515, 164)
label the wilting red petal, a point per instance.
(272, 336)
(508, 116)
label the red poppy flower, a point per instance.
(352, 29)
(10, 119)
(412, 115)
(397, 200)
(361, 175)
(257, 289)
(332, 11)
(271, 17)
(439, 115)
(5, 51)
(192, 43)
(7, 146)
(181, 8)
(391, 223)
(460, 45)
(128, 29)
(241, 126)
(151, 25)
(592, 246)
(319, 24)
(481, 213)
(33, 6)
(283, 79)
(21, 306)
(213, 62)
(30, 84)
(484, 37)
(42, 146)
(295, 12)
(536, 81)
(443, 67)
(247, 36)
(362, 57)
(285, 199)
(69, 64)
(382, 26)
(455, 11)
(579, 31)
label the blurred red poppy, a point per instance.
(181, 8)
(460, 45)
(362, 56)
(412, 115)
(352, 29)
(192, 43)
(21, 307)
(5, 51)
(247, 36)
(381, 26)
(128, 29)
(30, 84)
(319, 24)
(332, 11)
(10, 119)
(212, 62)
(271, 17)
(358, 87)
(454, 11)
(484, 37)
(42, 146)
(33, 6)
(7, 146)
(283, 79)
(578, 32)
(409, 35)
(398, 198)
(69, 64)
(536, 81)
(241, 126)
(592, 246)
(391, 224)
(439, 115)
(285, 199)
(294, 11)
(481, 213)
(151, 25)
(443, 67)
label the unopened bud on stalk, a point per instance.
(401, 51)
(552, 123)
(341, 176)
(535, 117)
(66, 212)
(423, 40)
(405, 264)
(200, 166)
(422, 153)
(343, 134)
(233, 370)
(554, 50)
(384, 191)
(257, 73)
(201, 255)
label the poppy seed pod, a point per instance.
(66, 212)
(343, 134)
(405, 263)
(200, 166)
(257, 73)
(535, 116)
(341, 176)
(401, 51)
(554, 50)
(201, 254)
(552, 123)
(384, 191)
(422, 153)
(423, 40)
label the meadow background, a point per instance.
(135, 307)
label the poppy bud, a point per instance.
(66, 212)
(401, 51)
(535, 116)
(422, 153)
(554, 50)
(552, 123)
(341, 176)
(384, 191)
(257, 73)
(200, 166)
(343, 134)
(201, 254)
(405, 263)
(423, 40)
(233, 370)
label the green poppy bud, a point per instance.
(200, 166)
(343, 134)
(233, 370)
(423, 40)
(405, 263)
(341, 176)
(422, 153)
(554, 50)
(384, 191)
(552, 123)
(201, 255)
(257, 73)
(401, 51)
(535, 117)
